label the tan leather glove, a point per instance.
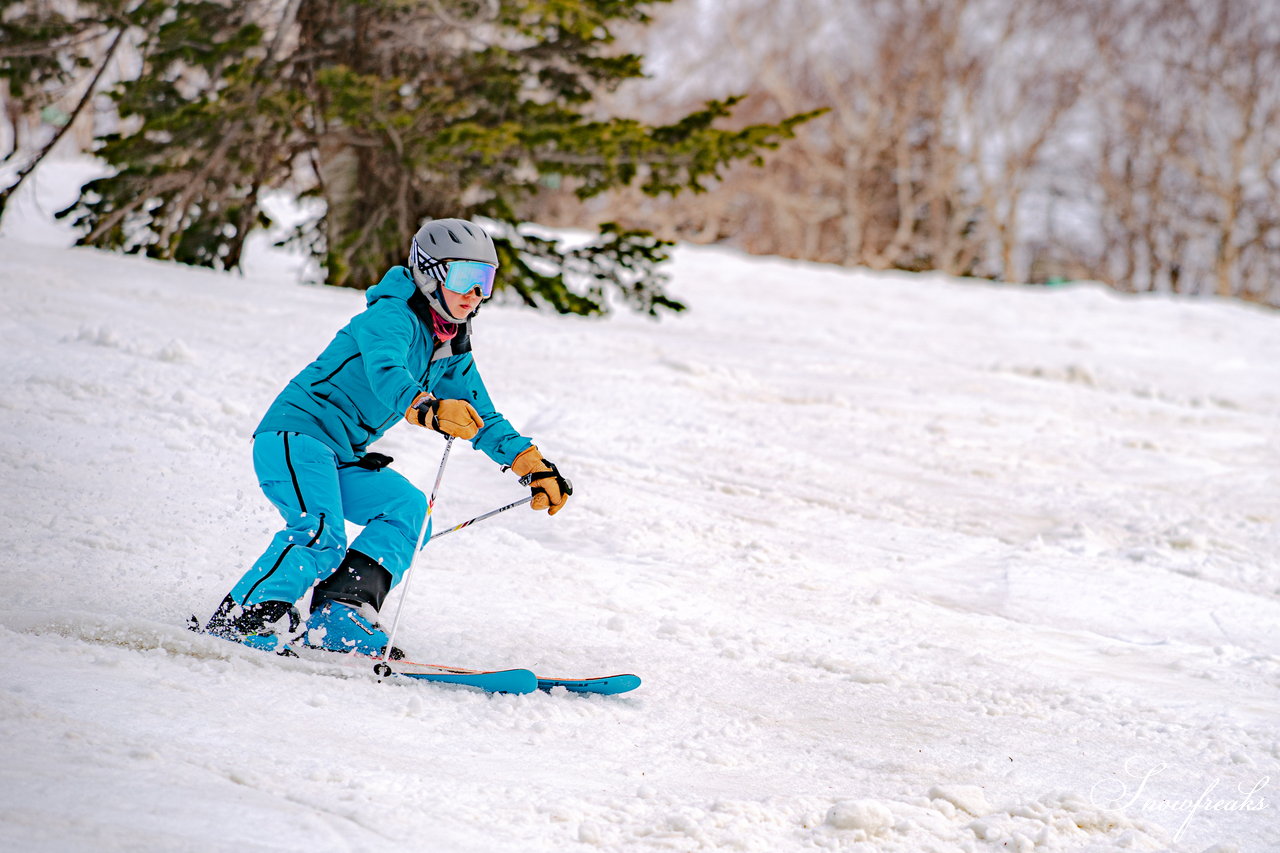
(550, 490)
(451, 417)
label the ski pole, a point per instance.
(382, 668)
(490, 514)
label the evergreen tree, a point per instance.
(392, 111)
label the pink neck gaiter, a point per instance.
(442, 328)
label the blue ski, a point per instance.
(500, 681)
(606, 685)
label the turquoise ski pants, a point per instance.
(316, 496)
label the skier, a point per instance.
(407, 355)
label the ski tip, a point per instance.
(607, 685)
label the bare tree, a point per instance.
(1133, 141)
(1189, 146)
(940, 112)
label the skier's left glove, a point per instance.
(550, 490)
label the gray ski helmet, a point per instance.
(439, 241)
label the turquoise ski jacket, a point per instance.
(373, 368)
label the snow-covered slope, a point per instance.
(906, 563)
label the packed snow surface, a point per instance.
(906, 564)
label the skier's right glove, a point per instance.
(451, 417)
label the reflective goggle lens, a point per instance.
(466, 276)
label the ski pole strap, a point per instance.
(566, 487)
(428, 413)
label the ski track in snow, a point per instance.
(906, 564)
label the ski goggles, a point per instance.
(466, 276)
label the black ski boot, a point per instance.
(258, 626)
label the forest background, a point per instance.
(1133, 142)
